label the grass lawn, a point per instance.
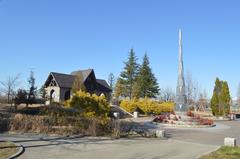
(224, 153)
(7, 149)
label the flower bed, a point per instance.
(190, 120)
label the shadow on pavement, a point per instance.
(69, 141)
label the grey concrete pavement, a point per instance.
(210, 136)
(102, 148)
(184, 143)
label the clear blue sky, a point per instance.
(67, 35)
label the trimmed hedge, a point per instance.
(147, 106)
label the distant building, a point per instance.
(58, 86)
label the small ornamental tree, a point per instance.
(32, 89)
(42, 92)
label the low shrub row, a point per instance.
(147, 106)
(83, 114)
(73, 125)
(64, 125)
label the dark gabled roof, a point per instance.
(83, 73)
(67, 80)
(103, 85)
(63, 80)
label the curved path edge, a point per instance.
(20, 151)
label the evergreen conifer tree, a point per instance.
(220, 102)
(128, 76)
(146, 84)
(224, 99)
(214, 104)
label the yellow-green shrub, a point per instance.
(129, 105)
(89, 105)
(167, 106)
(147, 106)
(67, 103)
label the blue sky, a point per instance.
(67, 35)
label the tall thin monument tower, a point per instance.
(181, 105)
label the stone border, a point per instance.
(20, 151)
(221, 119)
(184, 125)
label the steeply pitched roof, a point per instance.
(103, 85)
(83, 73)
(63, 80)
(67, 80)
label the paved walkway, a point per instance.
(102, 148)
(210, 136)
(182, 143)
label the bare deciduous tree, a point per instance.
(9, 86)
(111, 80)
(167, 95)
(192, 90)
(189, 88)
(205, 94)
(196, 91)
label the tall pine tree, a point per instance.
(128, 76)
(146, 84)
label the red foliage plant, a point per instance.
(203, 121)
(190, 114)
(160, 118)
(173, 113)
